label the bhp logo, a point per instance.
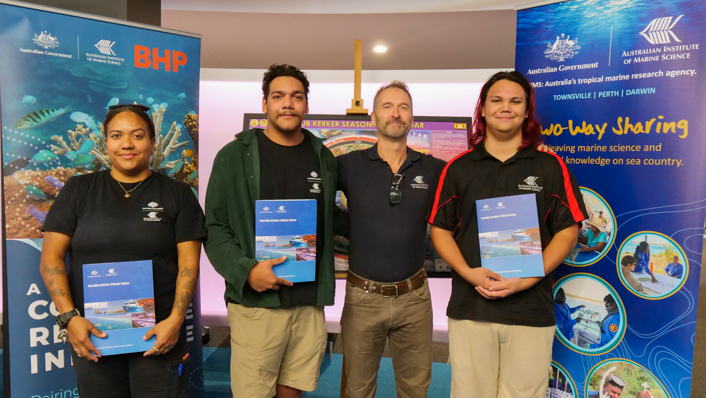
(172, 60)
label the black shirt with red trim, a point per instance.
(476, 175)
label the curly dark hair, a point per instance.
(278, 70)
(531, 128)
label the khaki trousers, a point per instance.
(271, 346)
(490, 360)
(368, 320)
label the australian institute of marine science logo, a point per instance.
(419, 183)
(530, 184)
(659, 31)
(107, 55)
(45, 40)
(563, 48)
(105, 47)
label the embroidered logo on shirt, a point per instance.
(315, 188)
(314, 177)
(530, 184)
(613, 327)
(152, 206)
(152, 216)
(531, 181)
(419, 183)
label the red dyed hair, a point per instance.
(531, 129)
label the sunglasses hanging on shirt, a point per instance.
(395, 193)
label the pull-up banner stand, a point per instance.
(59, 71)
(619, 89)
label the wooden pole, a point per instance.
(357, 102)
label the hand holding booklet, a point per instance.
(119, 300)
(287, 228)
(509, 237)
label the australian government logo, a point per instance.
(561, 49)
(107, 54)
(662, 43)
(530, 184)
(45, 40)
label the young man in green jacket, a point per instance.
(278, 329)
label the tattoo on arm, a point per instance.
(186, 273)
(57, 292)
(186, 285)
(181, 303)
(54, 271)
(54, 276)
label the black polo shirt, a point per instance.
(476, 175)
(387, 240)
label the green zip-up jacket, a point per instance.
(233, 188)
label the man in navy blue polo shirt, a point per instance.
(389, 188)
(501, 330)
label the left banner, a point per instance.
(59, 72)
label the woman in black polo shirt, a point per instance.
(127, 213)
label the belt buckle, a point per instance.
(382, 291)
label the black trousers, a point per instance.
(135, 376)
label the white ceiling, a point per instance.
(420, 34)
(341, 6)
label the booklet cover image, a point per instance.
(287, 228)
(119, 300)
(509, 237)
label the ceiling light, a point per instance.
(380, 49)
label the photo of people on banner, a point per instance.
(622, 379)
(590, 317)
(597, 235)
(561, 385)
(652, 265)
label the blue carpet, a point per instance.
(216, 364)
(217, 377)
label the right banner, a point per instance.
(620, 87)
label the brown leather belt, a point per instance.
(389, 289)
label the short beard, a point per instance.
(383, 131)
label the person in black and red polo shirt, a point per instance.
(501, 330)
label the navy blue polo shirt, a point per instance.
(386, 241)
(476, 175)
